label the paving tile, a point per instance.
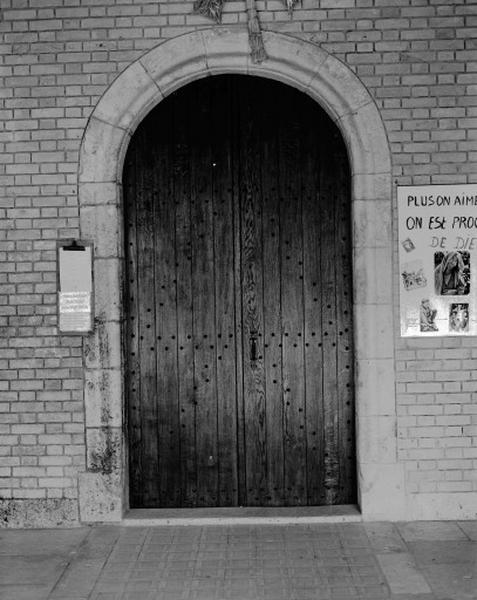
(469, 528)
(40, 541)
(413, 597)
(79, 577)
(38, 570)
(110, 587)
(450, 552)
(384, 537)
(24, 592)
(100, 542)
(402, 574)
(430, 531)
(453, 582)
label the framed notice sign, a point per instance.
(438, 260)
(75, 288)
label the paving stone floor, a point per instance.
(349, 561)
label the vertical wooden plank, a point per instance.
(235, 107)
(158, 315)
(292, 304)
(252, 307)
(203, 294)
(344, 296)
(271, 304)
(133, 375)
(146, 329)
(183, 112)
(313, 356)
(330, 330)
(223, 213)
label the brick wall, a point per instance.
(416, 57)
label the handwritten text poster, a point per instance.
(438, 260)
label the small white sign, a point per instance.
(438, 259)
(75, 293)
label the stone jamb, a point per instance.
(336, 88)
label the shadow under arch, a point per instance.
(339, 91)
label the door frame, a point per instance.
(307, 67)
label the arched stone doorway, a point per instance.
(123, 106)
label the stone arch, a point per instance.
(337, 89)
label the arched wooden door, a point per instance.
(238, 330)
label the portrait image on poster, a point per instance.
(459, 317)
(427, 316)
(452, 273)
(437, 258)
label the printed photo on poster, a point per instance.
(427, 316)
(413, 275)
(408, 245)
(452, 273)
(459, 318)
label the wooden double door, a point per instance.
(238, 327)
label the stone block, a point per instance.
(103, 398)
(442, 506)
(100, 488)
(372, 276)
(107, 290)
(104, 450)
(339, 87)
(52, 512)
(375, 387)
(127, 101)
(101, 152)
(227, 50)
(376, 439)
(102, 347)
(99, 194)
(377, 186)
(102, 225)
(295, 64)
(100, 498)
(176, 62)
(374, 330)
(372, 224)
(382, 492)
(365, 137)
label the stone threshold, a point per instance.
(150, 517)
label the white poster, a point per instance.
(76, 284)
(438, 259)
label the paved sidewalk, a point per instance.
(371, 561)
